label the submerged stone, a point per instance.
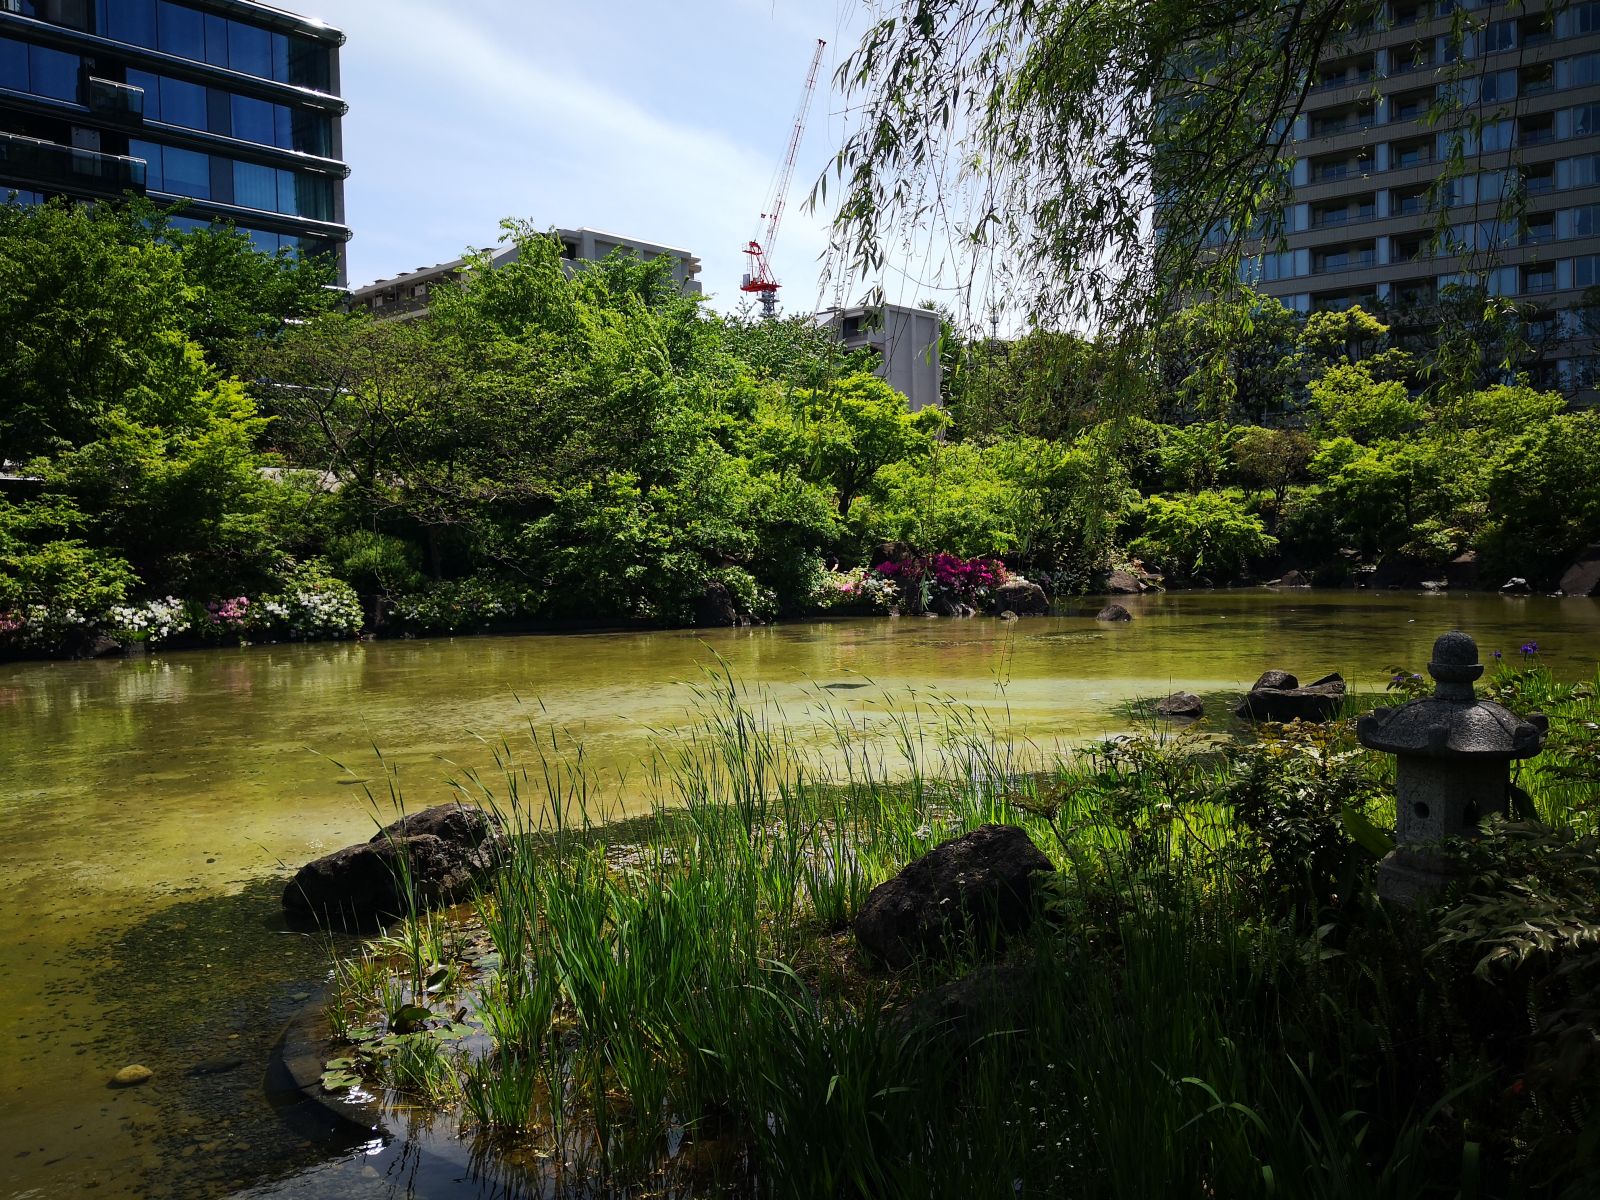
(132, 1076)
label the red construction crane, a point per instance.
(758, 279)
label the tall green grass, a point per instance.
(1191, 1015)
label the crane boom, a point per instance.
(759, 278)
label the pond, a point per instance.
(151, 808)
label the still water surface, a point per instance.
(150, 809)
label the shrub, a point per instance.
(450, 606)
(1206, 533)
(858, 590)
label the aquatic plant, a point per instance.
(1209, 998)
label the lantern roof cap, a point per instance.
(1452, 723)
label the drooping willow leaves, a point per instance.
(1077, 161)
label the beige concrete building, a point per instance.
(1362, 225)
(407, 294)
(905, 341)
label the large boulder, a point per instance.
(1582, 578)
(949, 606)
(715, 607)
(1021, 596)
(972, 888)
(1124, 583)
(443, 852)
(1181, 704)
(1316, 702)
(1113, 612)
(1275, 681)
(1461, 572)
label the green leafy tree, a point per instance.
(842, 435)
(1543, 495)
(1208, 533)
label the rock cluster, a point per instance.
(975, 887)
(1278, 696)
(440, 852)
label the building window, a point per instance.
(184, 103)
(1539, 277)
(1582, 221)
(255, 186)
(1582, 171)
(1500, 35)
(132, 21)
(13, 65)
(181, 31)
(1585, 120)
(253, 120)
(249, 49)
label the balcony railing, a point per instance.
(1327, 128)
(109, 98)
(1347, 262)
(36, 162)
(1340, 216)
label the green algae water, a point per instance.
(151, 808)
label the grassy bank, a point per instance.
(1210, 1003)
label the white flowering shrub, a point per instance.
(860, 589)
(154, 621)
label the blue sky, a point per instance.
(662, 121)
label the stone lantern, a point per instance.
(1454, 767)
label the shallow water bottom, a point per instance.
(151, 809)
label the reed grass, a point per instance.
(1189, 1017)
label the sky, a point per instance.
(661, 121)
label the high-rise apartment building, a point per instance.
(228, 105)
(1520, 218)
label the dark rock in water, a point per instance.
(843, 687)
(1275, 681)
(1113, 612)
(1316, 702)
(1008, 615)
(1295, 579)
(947, 607)
(1022, 597)
(444, 850)
(971, 888)
(714, 606)
(1516, 586)
(1182, 704)
(1462, 571)
(99, 646)
(1124, 583)
(1403, 571)
(1582, 578)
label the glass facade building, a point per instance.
(1511, 94)
(227, 105)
